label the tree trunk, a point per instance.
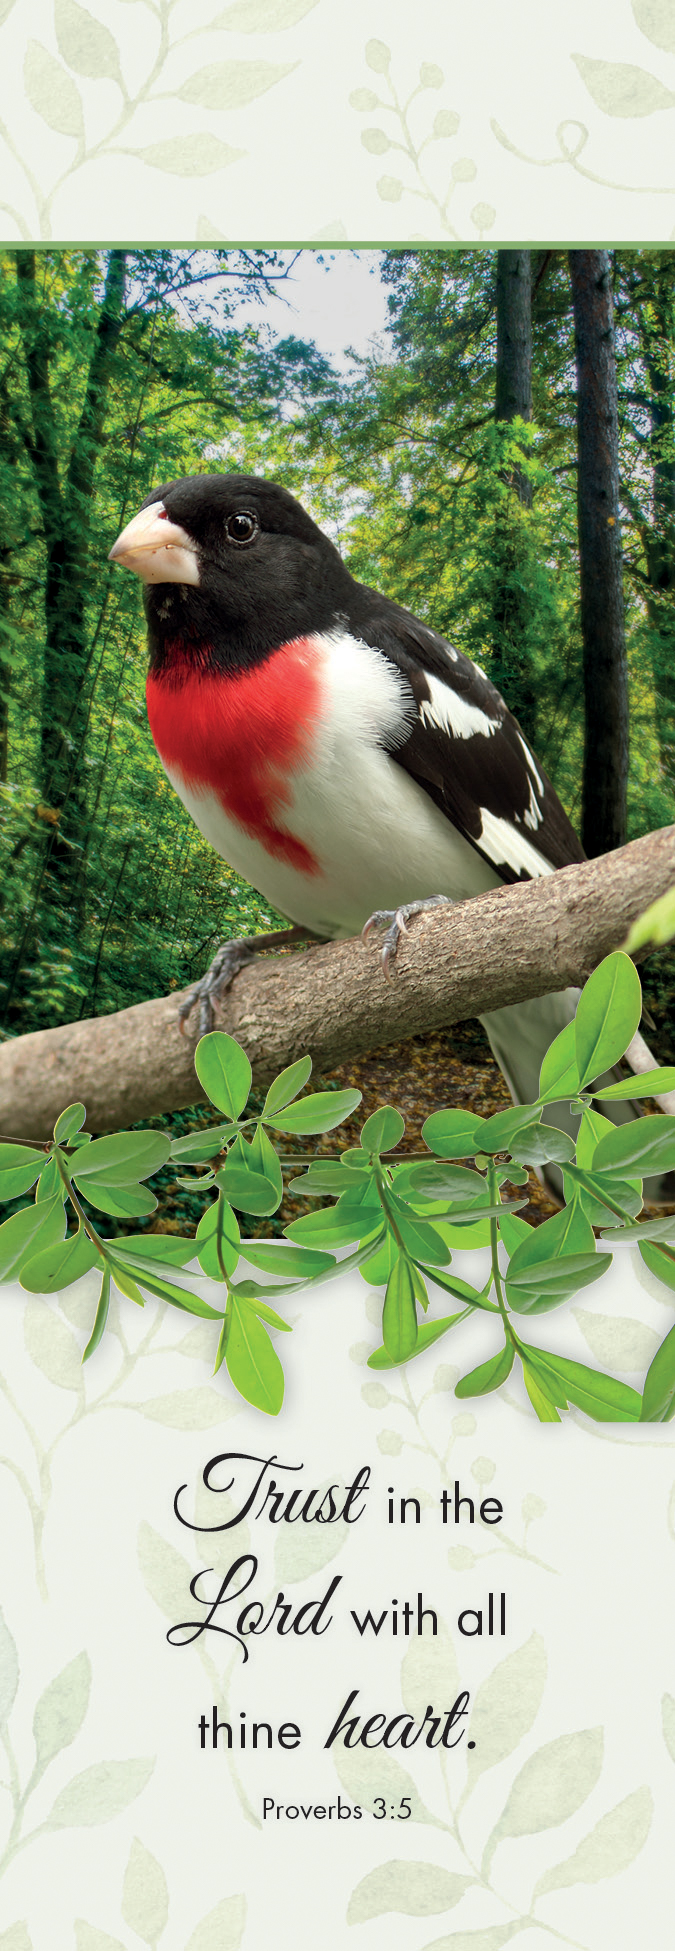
(510, 666)
(605, 772)
(513, 386)
(502, 947)
(657, 334)
(66, 503)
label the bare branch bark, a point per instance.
(502, 947)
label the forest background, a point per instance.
(445, 463)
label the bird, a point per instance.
(336, 751)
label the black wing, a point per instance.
(467, 750)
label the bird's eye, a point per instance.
(241, 527)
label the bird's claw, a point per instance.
(227, 961)
(397, 920)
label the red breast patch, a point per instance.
(243, 737)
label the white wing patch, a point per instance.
(534, 815)
(530, 763)
(505, 845)
(451, 713)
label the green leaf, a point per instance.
(20, 1167)
(658, 1400)
(218, 1229)
(547, 1285)
(619, 88)
(293, 1262)
(261, 1157)
(321, 1111)
(599, 1192)
(126, 1284)
(497, 1132)
(318, 1179)
(554, 1261)
(51, 92)
(28, 1232)
(383, 1131)
(662, 1230)
(377, 1268)
(354, 1160)
(454, 1182)
(334, 1226)
(462, 1218)
(608, 1015)
(420, 1237)
(86, 45)
(539, 1394)
(287, 1085)
(224, 1072)
(69, 1124)
(657, 924)
(591, 1129)
(659, 1263)
(427, 1333)
(122, 1159)
(169, 1247)
(399, 1317)
(513, 1231)
(646, 1083)
(232, 84)
(50, 1183)
(473, 1296)
(200, 1146)
(246, 1290)
(248, 1191)
(646, 1143)
(252, 1363)
(559, 1076)
(191, 155)
(124, 1202)
(601, 1396)
(101, 1316)
(166, 1290)
(59, 1265)
(463, 1239)
(453, 1134)
(566, 1232)
(540, 1144)
(489, 1375)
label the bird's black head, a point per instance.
(233, 567)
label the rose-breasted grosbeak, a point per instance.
(335, 751)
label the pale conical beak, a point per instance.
(157, 549)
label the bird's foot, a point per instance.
(226, 964)
(396, 921)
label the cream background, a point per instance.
(167, 119)
(585, 1554)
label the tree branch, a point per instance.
(502, 947)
